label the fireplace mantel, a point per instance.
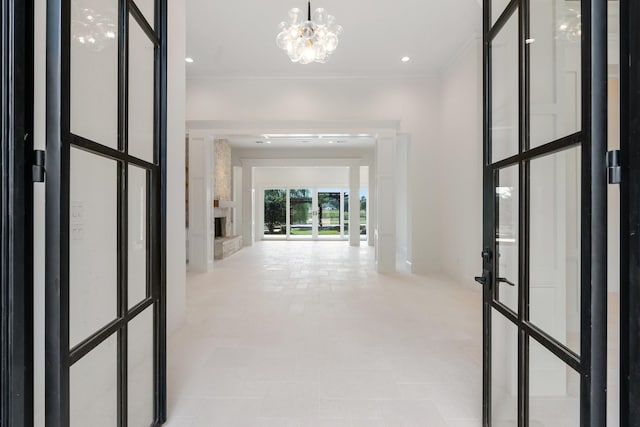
(210, 175)
(220, 212)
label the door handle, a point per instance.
(505, 280)
(484, 279)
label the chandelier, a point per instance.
(91, 29)
(571, 25)
(309, 41)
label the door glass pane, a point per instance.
(275, 213)
(555, 246)
(497, 7)
(504, 91)
(507, 197)
(147, 7)
(364, 195)
(141, 93)
(93, 242)
(140, 369)
(328, 213)
(94, 71)
(300, 212)
(504, 371)
(555, 69)
(93, 387)
(554, 389)
(345, 214)
(137, 280)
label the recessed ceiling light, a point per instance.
(305, 135)
(331, 142)
(188, 59)
(268, 142)
(405, 59)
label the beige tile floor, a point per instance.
(308, 334)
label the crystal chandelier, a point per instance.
(312, 40)
(571, 25)
(91, 29)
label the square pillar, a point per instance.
(201, 232)
(247, 205)
(385, 231)
(354, 205)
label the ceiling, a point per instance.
(238, 38)
(300, 141)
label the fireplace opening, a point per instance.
(220, 225)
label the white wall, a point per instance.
(403, 189)
(289, 177)
(176, 235)
(412, 101)
(365, 154)
(460, 164)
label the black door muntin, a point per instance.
(591, 363)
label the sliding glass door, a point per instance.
(329, 206)
(302, 215)
(310, 214)
(275, 213)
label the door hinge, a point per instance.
(37, 169)
(614, 170)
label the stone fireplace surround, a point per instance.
(225, 215)
(226, 244)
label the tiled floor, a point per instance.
(307, 334)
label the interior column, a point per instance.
(385, 231)
(247, 205)
(354, 205)
(200, 204)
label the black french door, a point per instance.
(630, 214)
(16, 221)
(544, 209)
(105, 229)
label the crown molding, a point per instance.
(474, 39)
(390, 76)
